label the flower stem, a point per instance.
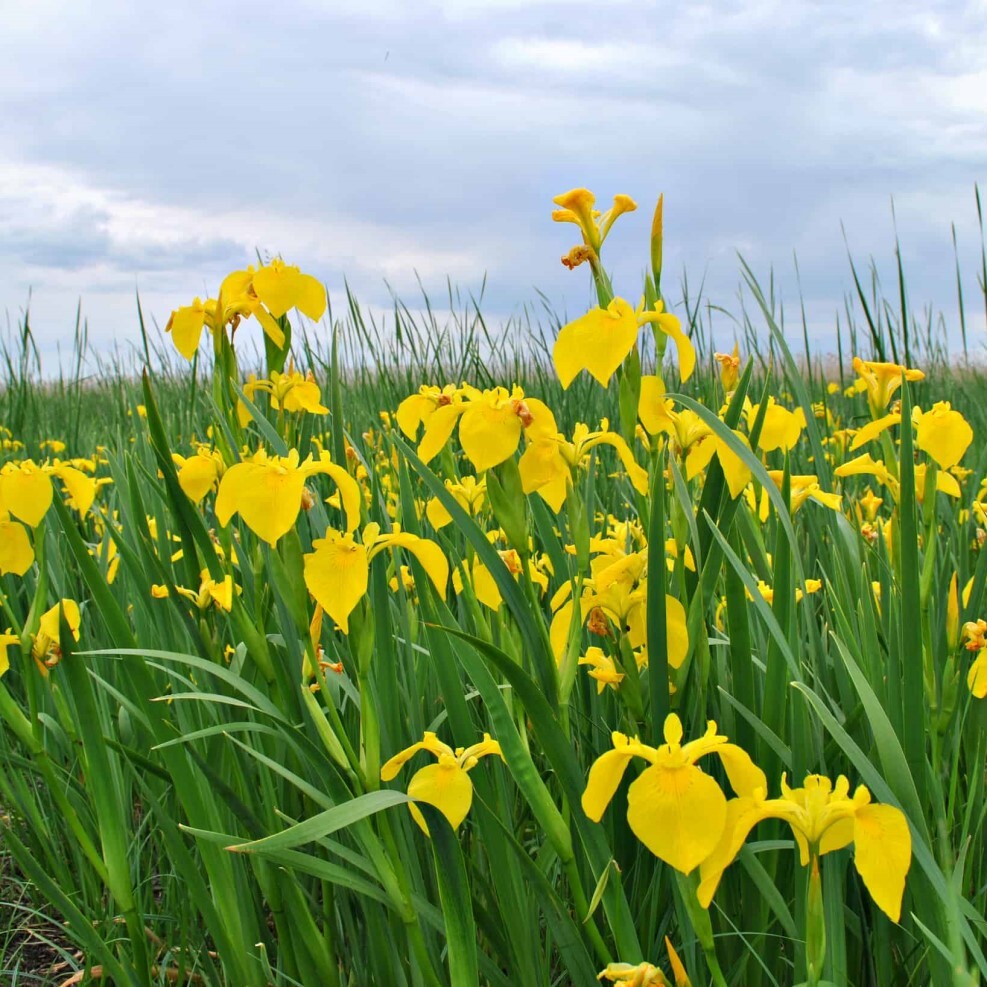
(815, 926)
(701, 925)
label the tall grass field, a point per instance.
(423, 652)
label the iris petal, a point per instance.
(266, 496)
(16, 554)
(446, 786)
(883, 854)
(599, 342)
(489, 433)
(678, 813)
(26, 493)
(337, 575)
(604, 778)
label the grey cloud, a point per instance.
(80, 239)
(766, 124)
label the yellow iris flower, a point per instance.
(823, 817)
(616, 594)
(880, 381)
(870, 504)
(866, 465)
(46, 649)
(767, 592)
(975, 635)
(199, 474)
(266, 491)
(337, 572)
(780, 429)
(602, 668)
(674, 808)
(803, 487)
(293, 392)
(266, 293)
(645, 974)
(548, 462)
(485, 587)
(576, 206)
(943, 433)
(691, 436)
(417, 409)
(210, 592)
(470, 493)
(26, 490)
(446, 785)
(633, 975)
(603, 338)
(976, 678)
(491, 422)
(873, 429)
(729, 368)
(735, 471)
(657, 414)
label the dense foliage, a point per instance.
(441, 656)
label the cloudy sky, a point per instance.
(158, 146)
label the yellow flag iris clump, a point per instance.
(663, 577)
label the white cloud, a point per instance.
(570, 55)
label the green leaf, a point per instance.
(454, 897)
(566, 766)
(531, 625)
(911, 636)
(657, 632)
(336, 818)
(892, 757)
(103, 598)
